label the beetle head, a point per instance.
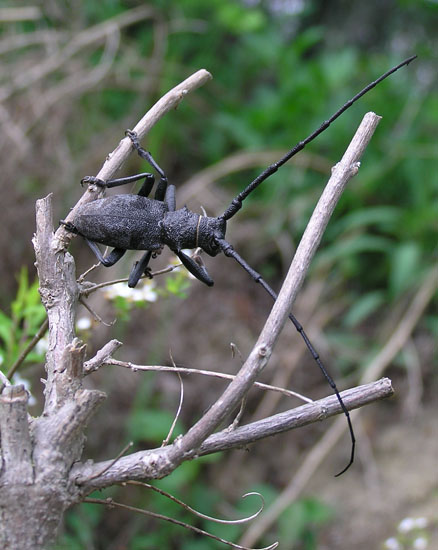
(208, 231)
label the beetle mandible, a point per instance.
(136, 222)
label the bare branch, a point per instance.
(214, 374)
(154, 464)
(200, 514)
(28, 13)
(111, 503)
(102, 356)
(261, 352)
(59, 294)
(296, 418)
(37, 337)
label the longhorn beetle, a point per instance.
(136, 222)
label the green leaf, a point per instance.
(405, 263)
(151, 425)
(363, 307)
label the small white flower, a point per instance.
(420, 543)
(392, 544)
(84, 323)
(147, 292)
(144, 293)
(406, 525)
(421, 523)
(1, 359)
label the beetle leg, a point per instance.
(145, 189)
(107, 261)
(196, 269)
(139, 268)
(162, 184)
(69, 227)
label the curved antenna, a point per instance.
(229, 251)
(236, 203)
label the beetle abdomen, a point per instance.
(122, 221)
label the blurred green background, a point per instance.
(74, 75)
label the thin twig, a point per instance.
(89, 290)
(181, 400)
(39, 334)
(111, 464)
(200, 514)
(111, 503)
(185, 370)
(96, 316)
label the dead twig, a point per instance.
(111, 503)
(185, 370)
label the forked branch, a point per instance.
(153, 464)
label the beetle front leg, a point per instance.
(195, 268)
(145, 189)
(162, 184)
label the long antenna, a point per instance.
(236, 203)
(229, 251)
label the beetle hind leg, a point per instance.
(107, 261)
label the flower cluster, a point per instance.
(411, 533)
(145, 292)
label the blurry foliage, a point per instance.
(18, 327)
(280, 69)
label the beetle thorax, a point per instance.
(186, 229)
